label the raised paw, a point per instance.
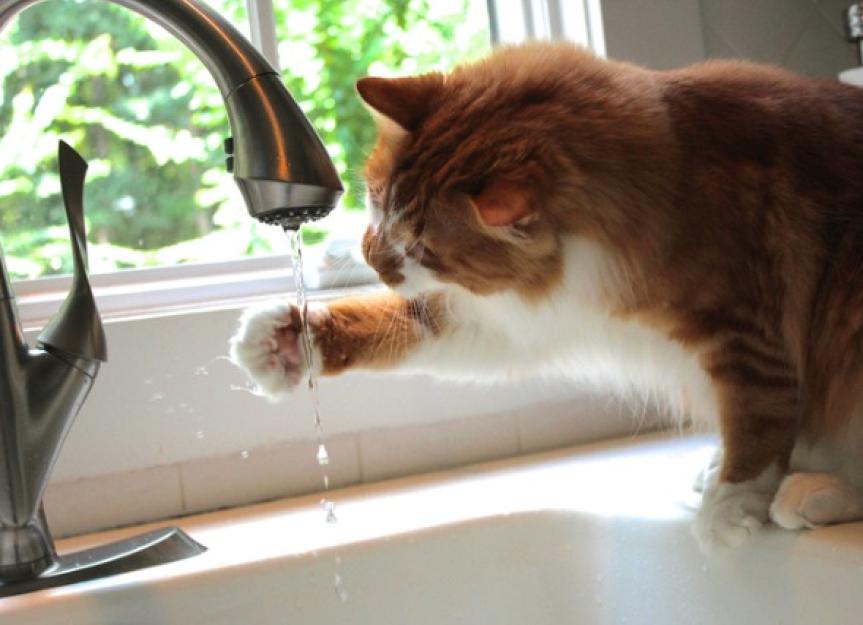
(268, 346)
(813, 499)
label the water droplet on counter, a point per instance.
(340, 589)
(245, 389)
(199, 434)
(244, 454)
(330, 508)
(323, 455)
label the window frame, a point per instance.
(196, 285)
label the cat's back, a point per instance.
(730, 115)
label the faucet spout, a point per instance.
(279, 162)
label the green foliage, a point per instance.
(148, 118)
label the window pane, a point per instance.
(326, 45)
(148, 118)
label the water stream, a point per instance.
(322, 456)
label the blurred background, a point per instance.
(148, 118)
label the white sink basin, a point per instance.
(591, 536)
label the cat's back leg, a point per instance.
(825, 482)
(807, 500)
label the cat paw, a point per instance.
(269, 348)
(731, 513)
(708, 477)
(807, 500)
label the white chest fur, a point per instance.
(570, 331)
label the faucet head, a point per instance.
(279, 162)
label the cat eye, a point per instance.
(424, 256)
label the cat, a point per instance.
(697, 233)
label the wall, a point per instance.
(805, 36)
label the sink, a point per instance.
(594, 535)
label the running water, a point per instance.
(303, 304)
(322, 456)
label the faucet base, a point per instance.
(157, 547)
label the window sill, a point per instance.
(186, 288)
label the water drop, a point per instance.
(323, 455)
(251, 390)
(199, 434)
(340, 589)
(244, 454)
(202, 371)
(157, 397)
(330, 508)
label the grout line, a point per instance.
(709, 29)
(183, 503)
(361, 469)
(787, 52)
(819, 10)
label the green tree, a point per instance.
(147, 116)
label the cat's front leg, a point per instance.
(365, 332)
(759, 416)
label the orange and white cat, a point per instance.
(696, 233)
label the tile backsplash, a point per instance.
(806, 36)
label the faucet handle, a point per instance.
(77, 329)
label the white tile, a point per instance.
(97, 503)
(260, 474)
(833, 12)
(590, 417)
(393, 452)
(760, 30)
(716, 47)
(820, 52)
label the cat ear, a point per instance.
(503, 204)
(406, 101)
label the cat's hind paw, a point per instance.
(267, 346)
(807, 500)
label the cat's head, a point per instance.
(462, 176)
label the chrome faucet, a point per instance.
(286, 178)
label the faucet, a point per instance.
(283, 171)
(286, 178)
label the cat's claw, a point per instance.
(267, 346)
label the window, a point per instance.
(147, 116)
(176, 396)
